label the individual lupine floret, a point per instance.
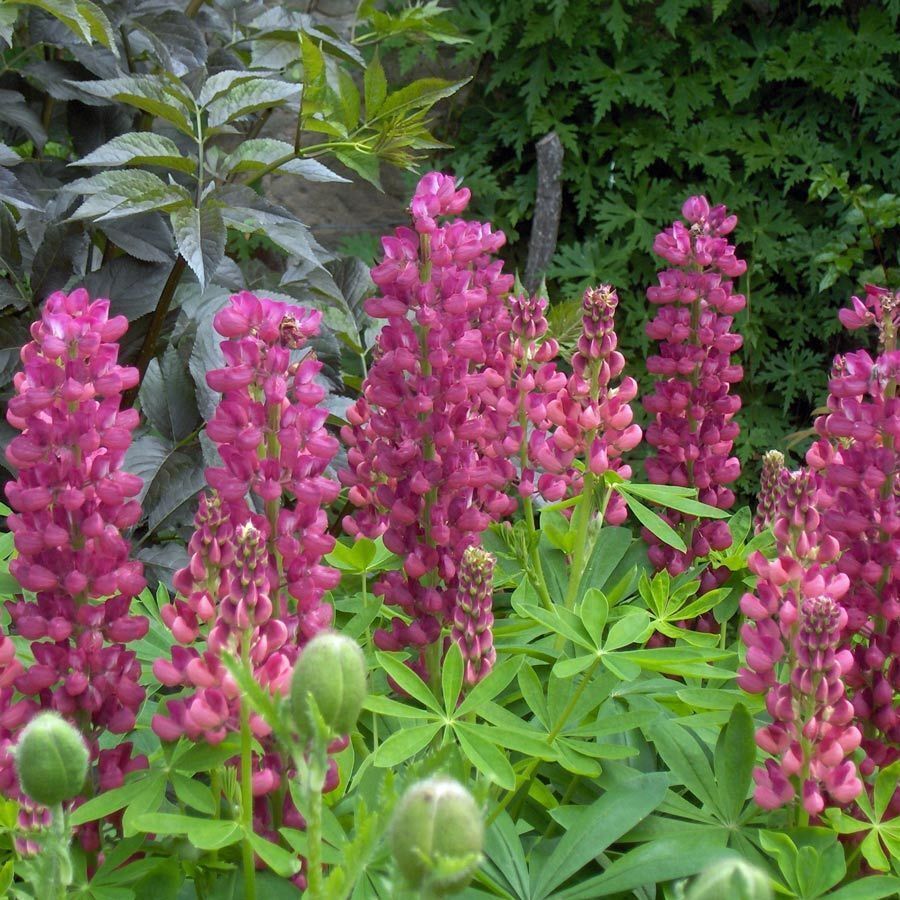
(473, 616)
(693, 409)
(767, 500)
(422, 467)
(812, 734)
(73, 501)
(857, 456)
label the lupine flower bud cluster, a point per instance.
(255, 581)
(767, 500)
(73, 500)
(589, 418)
(857, 457)
(473, 616)
(693, 409)
(423, 468)
(795, 618)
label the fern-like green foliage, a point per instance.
(788, 112)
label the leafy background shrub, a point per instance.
(786, 112)
(135, 138)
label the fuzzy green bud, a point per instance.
(332, 670)
(51, 759)
(731, 878)
(436, 836)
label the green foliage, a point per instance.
(787, 113)
(135, 139)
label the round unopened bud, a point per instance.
(51, 759)
(332, 670)
(437, 835)
(735, 879)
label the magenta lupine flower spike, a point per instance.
(794, 620)
(811, 734)
(473, 618)
(255, 581)
(857, 457)
(524, 388)
(693, 409)
(423, 468)
(767, 500)
(74, 501)
(589, 418)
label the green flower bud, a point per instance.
(51, 759)
(731, 878)
(436, 836)
(332, 670)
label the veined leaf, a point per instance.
(260, 153)
(113, 195)
(153, 94)
(423, 93)
(139, 148)
(200, 235)
(247, 97)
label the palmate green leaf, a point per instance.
(609, 550)
(487, 757)
(408, 681)
(200, 235)
(656, 862)
(140, 149)
(689, 662)
(451, 676)
(282, 862)
(503, 849)
(385, 706)
(204, 834)
(405, 743)
(650, 520)
(501, 675)
(146, 784)
(590, 830)
(674, 497)
(733, 763)
(556, 623)
(246, 97)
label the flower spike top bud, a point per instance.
(52, 760)
(423, 465)
(255, 582)
(73, 503)
(693, 409)
(769, 489)
(589, 417)
(332, 671)
(473, 618)
(436, 836)
(734, 879)
(856, 457)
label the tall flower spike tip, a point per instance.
(692, 407)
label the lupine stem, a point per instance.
(247, 783)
